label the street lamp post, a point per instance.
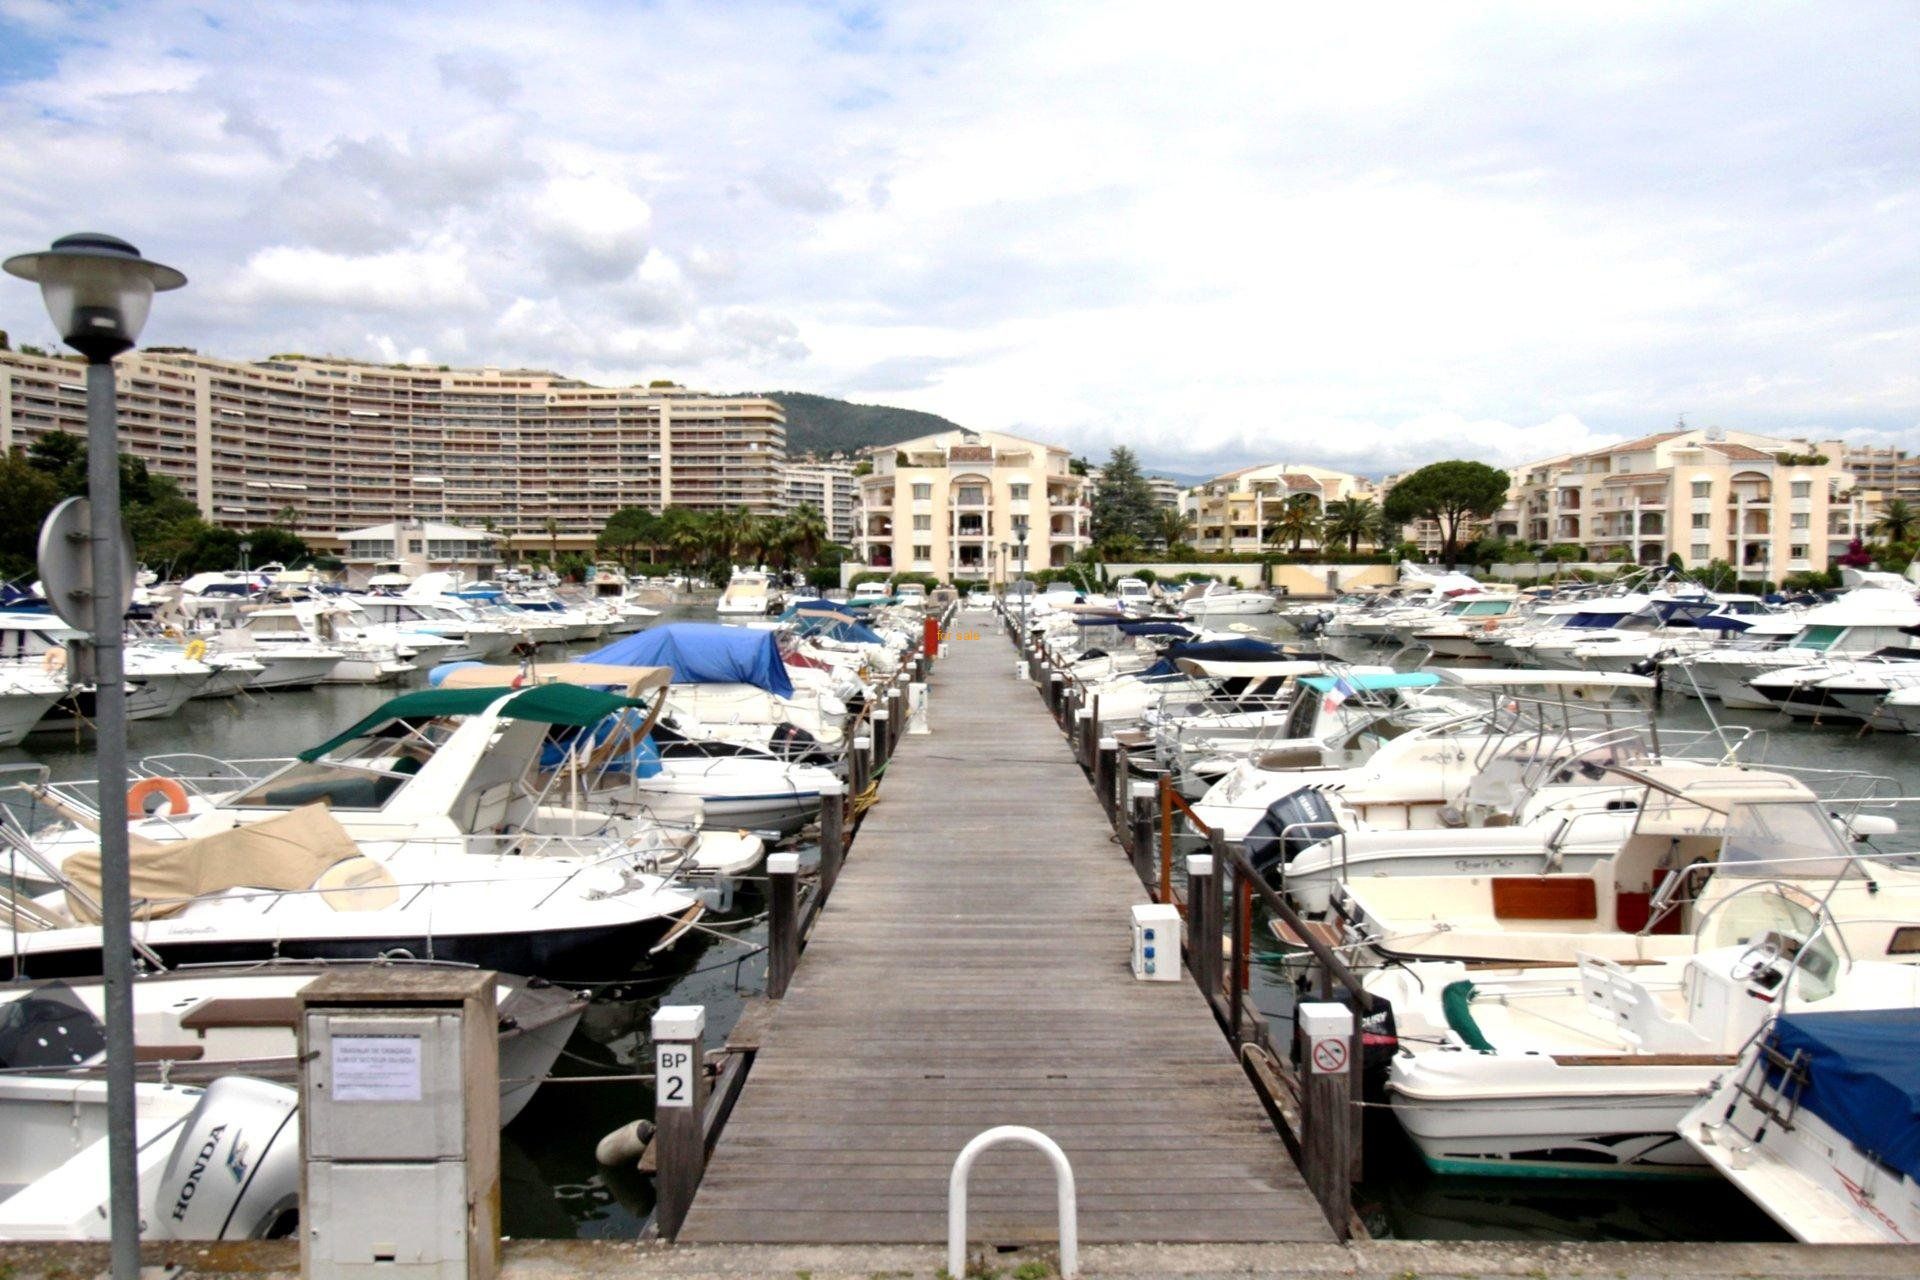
(1020, 537)
(98, 290)
(246, 550)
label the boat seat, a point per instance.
(168, 1052)
(242, 1011)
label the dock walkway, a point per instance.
(971, 970)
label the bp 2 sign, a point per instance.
(674, 1077)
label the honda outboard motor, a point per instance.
(235, 1170)
(1296, 821)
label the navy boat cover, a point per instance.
(704, 653)
(1864, 1077)
(1239, 650)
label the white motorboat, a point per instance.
(306, 625)
(1218, 600)
(27, 692)
(1588, 1070)
(296, 884)
(1691, 849)
(1839, 690)
(159, 679)
(1900, 709)
(748, 594)
(53, 1158)
(1861, 621)
(1816, 1125)
(194, 1026)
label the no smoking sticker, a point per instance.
(1329, 1057)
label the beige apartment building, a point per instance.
(1231, 512)
(334, 445)
(953, 504)
(1765, 505)
(829, 487)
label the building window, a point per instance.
(1701, 519)
(972, 495)
(1800, 519)
(1700, 551)
(1798, 551)
(923, 553)
(1703, 488)
(1803, 488)
(1018, 492)
(922, 492)
(923, 524)
(1019, 524)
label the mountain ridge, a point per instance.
(823, 424)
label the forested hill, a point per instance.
(821, 424)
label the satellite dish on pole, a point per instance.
(66, 564)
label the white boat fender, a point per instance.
(1865, 826)
(235, 1170)
(625, 1145)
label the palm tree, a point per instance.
(552, 528)
(1298, 520)
(1897, 520)
(1172, 526)
(807, 532)
(1352, 519)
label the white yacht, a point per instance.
(748, 594)
(159, 679)
(1858, 623)
(1218, 600)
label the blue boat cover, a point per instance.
(1721, 622)
(1864, 1077)
(703, 653)
(1375, 680)
(1154, 628)
(1242, 650)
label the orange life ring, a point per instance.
(1489, 625)
(174, 793)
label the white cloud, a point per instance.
(1260, 231)
(426, 282)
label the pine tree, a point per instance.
(1124, 511)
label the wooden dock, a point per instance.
(970, 970)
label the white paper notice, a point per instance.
(376, 1069)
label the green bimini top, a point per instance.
(548, 703)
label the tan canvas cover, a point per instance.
(286, 852)
(635, 680)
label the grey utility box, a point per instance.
(400, 1125)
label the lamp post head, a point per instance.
(97, 289)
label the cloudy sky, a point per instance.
(1360, 235)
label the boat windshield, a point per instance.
(1793, 840)
(1769, 917)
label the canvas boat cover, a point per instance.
(548, 703)
(287, 852)
(1863, 1077)
(830, 621)
(704, 653)
(1238, 650)
(1153, 627)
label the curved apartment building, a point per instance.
(335, 445)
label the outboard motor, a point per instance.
(235, 1171)
(1379, 1041)
(1296, 821)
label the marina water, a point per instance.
(553, 1188)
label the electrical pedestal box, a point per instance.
(1156, 942)
(400, 1132)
